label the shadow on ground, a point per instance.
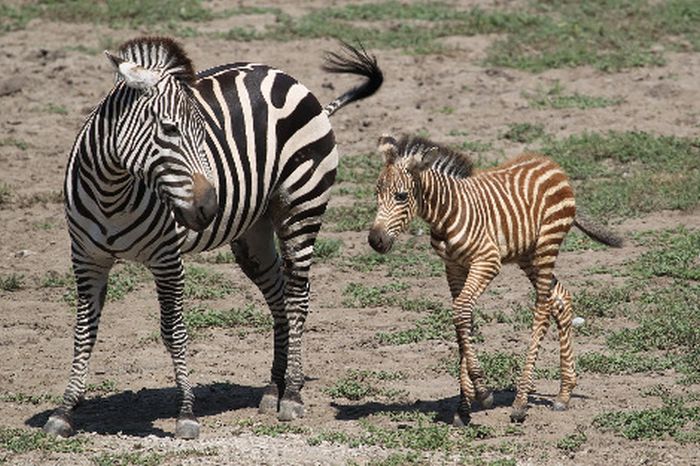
(134, 413)
(445, 407)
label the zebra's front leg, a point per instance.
(470, 375)
(91, 286)
(169, 278)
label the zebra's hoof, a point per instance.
(486, 399)
(461, 419)
(291, 406)
(270, 400)
(59, 424)
(187, 428)
(518, 414)
(559, 405)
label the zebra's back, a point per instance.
(523, 201)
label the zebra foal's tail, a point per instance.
(598, 232)
(353, 61)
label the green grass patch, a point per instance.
(601, 300)
(621, 363)
(437, 325)
(327, 248)
(524, 132)
(674, 255)
(412, 258)
(625, 174)
(136, 458)
(20, 441)
(359, 384)
(577, 241)
(275, 430)
(360, 295)
(13, 142)
(28, 398)
(358, 217)
(674, 420)
(11, 282)
(573, 442)
(244, 319)
(203, 283)
(556, 98)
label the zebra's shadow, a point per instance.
(134, 413)
(444, 407)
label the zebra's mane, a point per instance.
(159, 53)
(430, 155)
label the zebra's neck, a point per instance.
(437, 203)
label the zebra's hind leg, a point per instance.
(257, 256)
(563, 313)
(91, 285)
(169, 277)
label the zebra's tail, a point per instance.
(353, 61)
(598, 232)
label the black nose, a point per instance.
(379, 240)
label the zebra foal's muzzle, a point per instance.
(380, 240)
(203, 208)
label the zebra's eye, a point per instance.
(401, 197)
(170, 129)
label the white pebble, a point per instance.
(578, 321)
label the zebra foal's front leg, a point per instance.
(91, 286)
(470, 374)
(169, 277)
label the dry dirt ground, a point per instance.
(132, 408)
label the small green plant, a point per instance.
(5, 193)
(57, 109)
(621, 363)
(275, 430)
(437, 325)
(555, 98)
(22, 441)
(326, 248)
(21, 145)
(136, 458)
(53, 279)
(26, 398)
(524, 132)
(358, 384)
(360, 295)
(573, 442)
(244, 319)
(12, 282)
(102, 388)
(357, 217)
(412, 258)
(203, 283)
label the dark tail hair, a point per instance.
(353, 61)
(598, 232)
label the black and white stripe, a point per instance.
(171, 162)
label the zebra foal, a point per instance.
(172, 161)
(517, 212)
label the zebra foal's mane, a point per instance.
(423, 154)
(159, 54)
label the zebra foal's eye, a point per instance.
(170, 128)
(401, 197)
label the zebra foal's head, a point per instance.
(396, 193)
(159, 133)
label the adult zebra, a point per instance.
(172, 162)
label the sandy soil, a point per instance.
(229, 369)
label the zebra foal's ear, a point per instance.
(387, 146)
(134, 75)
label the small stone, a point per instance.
(24, 253)
(578, 321)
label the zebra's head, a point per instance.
(160, 136)
(397, 194)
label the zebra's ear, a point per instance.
(134, 75)
(387, 146)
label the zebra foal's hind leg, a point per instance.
(91, 285)
(257, 256)
(169, 277)
(563, 314)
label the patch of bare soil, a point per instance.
(38, 121)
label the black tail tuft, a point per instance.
(598, 232)
(357, 61)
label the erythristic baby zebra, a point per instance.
(517, 212)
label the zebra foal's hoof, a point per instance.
(518, 414)
(59, 424)
(187, 428)
(291, 406)
(461, 419)
(485, 399)
(270, 400)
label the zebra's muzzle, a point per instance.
(380, 240)
(201, 212)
